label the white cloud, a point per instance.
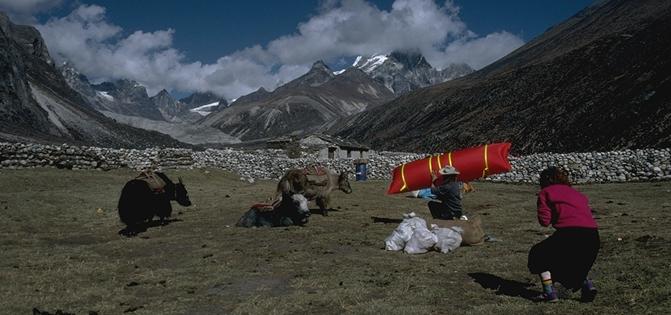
(358, 28)
(95, 47)
(477, 52)
(23, 11)
(339, 29)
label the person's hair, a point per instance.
(554, 175)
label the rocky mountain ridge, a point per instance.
(130, 98)
(405, 72)
(312, 102)
(127, 102)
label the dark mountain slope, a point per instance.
(599, 81)
(36, 104)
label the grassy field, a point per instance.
(61, 250)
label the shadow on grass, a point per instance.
(385, 220)
(318, 211)
(135, 230)
(504, 287)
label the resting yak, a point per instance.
(315, 183)
(287, 210)
(147, 196)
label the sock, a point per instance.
(546, 279)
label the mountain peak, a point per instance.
(319, 64)
(368, 65)
(410, 60)
(405, 71)
(200, 98)
(319, 74)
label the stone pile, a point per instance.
(589, 167)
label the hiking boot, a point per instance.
(548, 297)
(587, 292)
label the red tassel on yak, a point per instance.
(472, 163)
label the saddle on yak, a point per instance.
(265, 207)
(317, 175)
(155, 182)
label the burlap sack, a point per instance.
(473, 232)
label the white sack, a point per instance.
(448, 239)
(422, 241)
(402, 234)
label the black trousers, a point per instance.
(568, 254)
(441, 211)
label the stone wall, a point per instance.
(593, 167)
(590, 167)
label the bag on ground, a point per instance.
(448, 239)
(402, 234)
(422, 241)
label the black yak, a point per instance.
(147, 196)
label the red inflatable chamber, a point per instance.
(472, 163)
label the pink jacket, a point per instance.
(562, 206)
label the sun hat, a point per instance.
(448, 170)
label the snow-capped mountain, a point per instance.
(369, 64)
(127, 102)
(201, 104)
(312, 102)
(123, 97)
(130, 98)
(200, 99)
(405, 72)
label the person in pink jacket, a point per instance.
(569, 253)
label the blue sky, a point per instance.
(234, 47)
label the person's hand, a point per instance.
(433, 177)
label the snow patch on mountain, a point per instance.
(205, 109)
(105, 95)
(370, 64)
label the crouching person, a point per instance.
(288, 210)
(569, 253)
(447, 190)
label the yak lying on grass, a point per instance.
(288, 210)
(147, 196)
(315, 183)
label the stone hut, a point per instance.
(334, 148)
(279, 142)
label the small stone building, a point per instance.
(334, 148)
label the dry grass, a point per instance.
(60, 252)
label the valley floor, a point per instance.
(61, 250)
